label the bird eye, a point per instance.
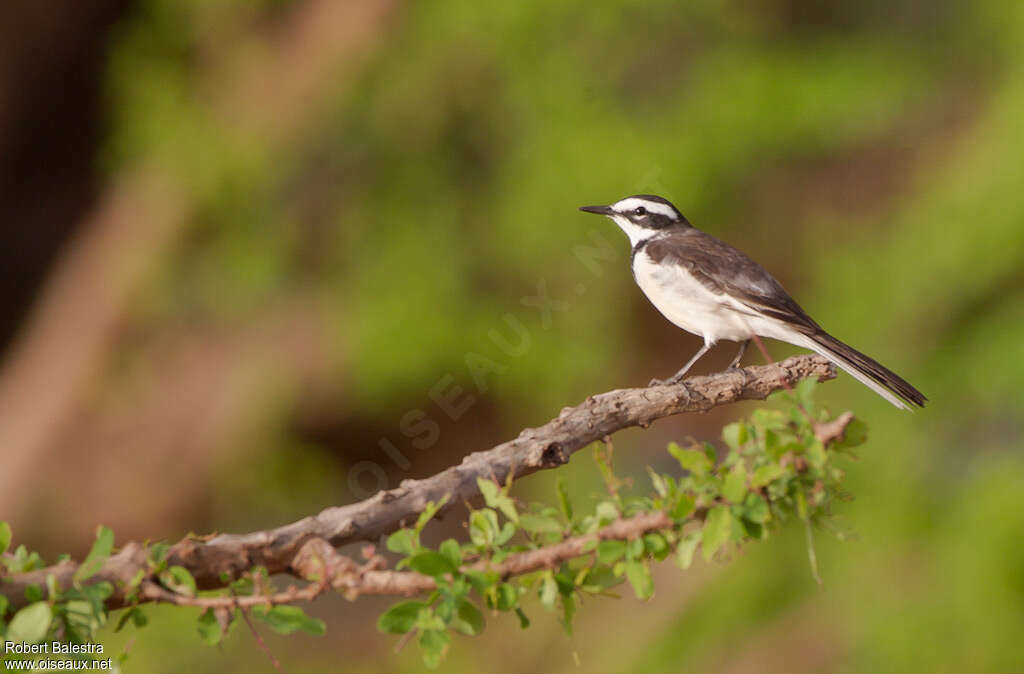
(640, 210)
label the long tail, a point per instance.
(867, 371)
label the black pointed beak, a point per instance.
(600, 210)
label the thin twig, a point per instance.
(153, 592)
(259, 639)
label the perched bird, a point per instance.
(709, 288)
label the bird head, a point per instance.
(641, 216)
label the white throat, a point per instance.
(635, 233)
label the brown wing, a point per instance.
(723, 269)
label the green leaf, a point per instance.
(696, 462)
(431, 563)
(752, 530)
(548, 590)
(735, 488)
(428, 513)
(158, 553)
(505, 597)
(717, 530)
(600, 579)
(451, 550)
(5, 537)
(99, 553)
(606, 512)
(540, 524)
(524, 622)
(403, 542)
(568, 612)
(610, 551)
(766, 474)
(806, 387)
(686, 549)
(566, 583)
(816, 454)
(434, 644)
(33, 593)
(208, 627)
(508, 530)
(288, 619)
(471, 620)
(709, 451)
(778, 444)
(683, 507)
(481, 580)
(483, 525)
(735, 435)
(134, 614)
(658, 481)
(639, 577)
(801, 504)
(756, 509)
(97, 593)
(768, 419)
(563, 499)
(30, 624)
(494, 498)
(436, 618)
(401, 617)
(489, 489)
(805, 392)
(856, 433)
(656, 545)
(179, 580)
(125, 617)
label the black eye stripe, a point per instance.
(640, 210)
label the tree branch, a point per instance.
(217, 560)
(327, 569)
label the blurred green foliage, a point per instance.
(422, 201)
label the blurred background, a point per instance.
(247, 244)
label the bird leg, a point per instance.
(678, 376)
(736, 361)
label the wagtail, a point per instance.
(709, 288)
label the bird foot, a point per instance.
(738, 370)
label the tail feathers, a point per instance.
(866, 370)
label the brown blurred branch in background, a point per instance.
(67, 344)
(216, 561)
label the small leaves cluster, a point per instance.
(214, 623)
(71, 616)
(775, 469)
